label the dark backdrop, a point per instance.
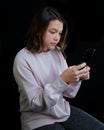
(86, 29)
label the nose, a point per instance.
(57, 37)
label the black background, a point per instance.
(86, 29)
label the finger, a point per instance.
(81, 66)
(72, 66)
(85, 76)
(87, 68)
(84, 70)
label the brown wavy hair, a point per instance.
(38, 26)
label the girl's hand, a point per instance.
(86, 75)
(75, 73)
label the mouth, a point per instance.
(54, 44)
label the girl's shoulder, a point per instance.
(22, 54)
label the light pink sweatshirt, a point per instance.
(41, 88)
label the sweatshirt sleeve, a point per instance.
(72, 89)
(37, 97)
(52, 92)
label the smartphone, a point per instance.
(87, 56)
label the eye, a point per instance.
(52, 32)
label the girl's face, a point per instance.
(52, 35)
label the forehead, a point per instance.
(55, 24)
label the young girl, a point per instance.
(44, 78)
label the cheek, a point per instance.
(48, 38)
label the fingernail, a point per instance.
(84, 63)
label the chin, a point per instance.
(53, 47)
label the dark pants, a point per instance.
(78, 120)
